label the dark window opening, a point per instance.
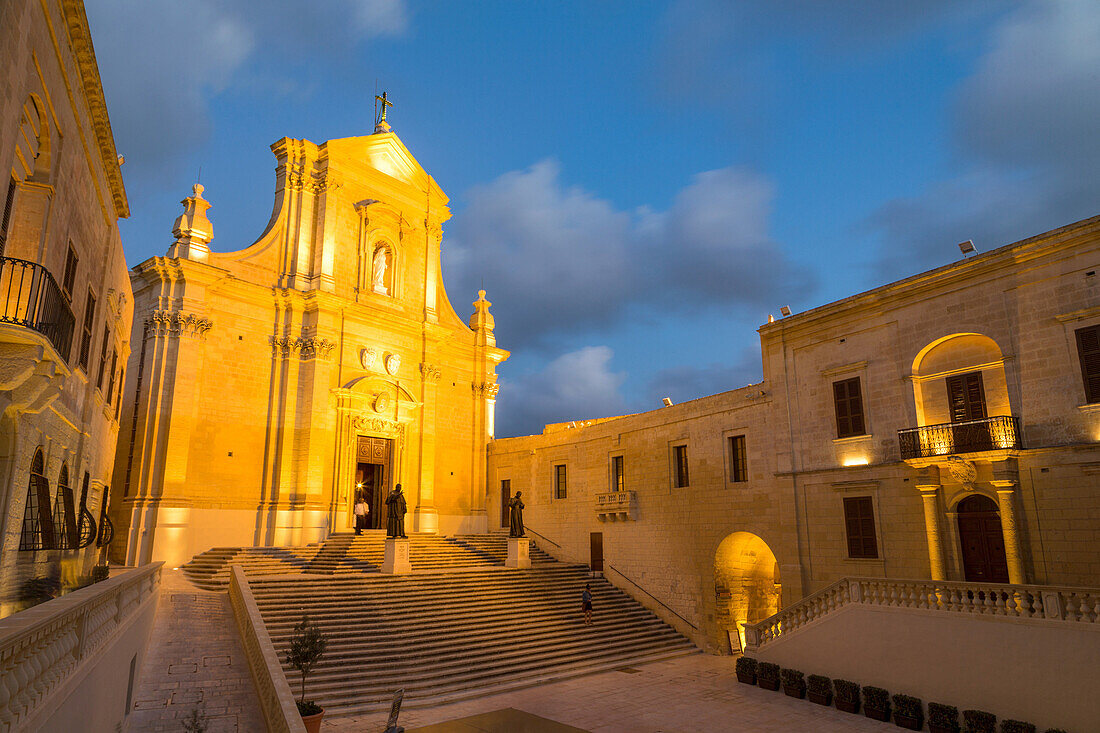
(103, 358)
(738, 467)
(1088, 351)
(617, 480)
(37, 531)
(680, 461)
(69, 279)
(849, 408)
(859, 523)
(559, 482)
(966, 396)
(86, 332)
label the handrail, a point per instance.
(1001, 432)
(29, 296)
(1055, 603)
(643, 590)
(528, 529)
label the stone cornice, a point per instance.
(81, 41)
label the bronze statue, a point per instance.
(515, 516)
(395, 520)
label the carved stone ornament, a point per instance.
(311, 348)
(430, 372)
(962, 471)
(377, 425)
(382, 402)
(169, 323)
(367, 357)
(393, 363)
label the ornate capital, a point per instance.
(430, 372)
(316, 348)
(163, 323)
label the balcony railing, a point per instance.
(32, 298)
(971, 436)
(616, 505)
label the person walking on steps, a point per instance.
(362, 509)
(586, 603)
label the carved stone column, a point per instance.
(928, 484)
(425, 516)
(1006, 495)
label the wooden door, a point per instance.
(505, 497)
(374, 476)
(597, 551)
(983, 547)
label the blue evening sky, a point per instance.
(637, 184)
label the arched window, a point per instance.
(64, 514)
(38, 530)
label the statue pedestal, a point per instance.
(519, 553)
(396, 561)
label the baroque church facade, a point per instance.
(273, 385)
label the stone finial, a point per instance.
(482, 321)
(192, 230)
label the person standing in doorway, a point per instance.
(362, 509)
(586, 603)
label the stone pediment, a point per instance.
(385, 153)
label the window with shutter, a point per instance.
(849, 408)
(1088, 351)
(69, 279)
(86, 333)
(738, 468)
(103, 357)
(859, 524)
(680, 460)
(5, 219)
(560, 488)
(617, 480)
(967, 397)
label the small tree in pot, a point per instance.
(820, 689)
(908, 712)
(794, 683)
(847, 696)
(943, 718)
(876, 703)
(746, 670)
(307, 646)
(767, 675)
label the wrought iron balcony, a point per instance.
(32, 298)
(971, 436)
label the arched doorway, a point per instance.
(746, 583)
(981, 539)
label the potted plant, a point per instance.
(943, 718)
(1016, 726)
(746, 670)
(767, 675)
(100, 573)
(794, 683)
(847, 696)
(820, 689)
(979, 721)
(876, 703)
(908, 712)
(307, 646)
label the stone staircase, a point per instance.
(210, 570)
(496, 545)
(450, 636)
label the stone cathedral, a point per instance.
(272, 385)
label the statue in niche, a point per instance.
(515, 516)
(395, 520)
(379, 272)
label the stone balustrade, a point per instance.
(43, 648)
(615, 505)
(276, 697)
(1074, 605)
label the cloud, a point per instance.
(558, 259)
(688, 382)
(576, 386)
(1024, 124)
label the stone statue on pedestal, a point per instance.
(395, 520)
(515, 516)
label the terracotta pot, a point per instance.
(904, 721)
(876, 714)
(313, 722)
(767, 684)
(821, 698)
(798, 691)
(748, 679)
(847, 706)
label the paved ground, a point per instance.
(194, 661)
(695, 693)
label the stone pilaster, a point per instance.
(425, 516)
(1006, 502)
(930, 494)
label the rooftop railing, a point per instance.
(970, 436)
(29, 296)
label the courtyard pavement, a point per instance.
(693, 693)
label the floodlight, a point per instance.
(785, 310)
(667, 401)
(966, 247)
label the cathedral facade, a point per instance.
(274, 385)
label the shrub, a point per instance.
(792, 678)
(746, 665)
(100, 573)
(876, 698)
(943, 716)
(308, 708)
(1016, 726)
(767, 671)
(1054, 730)
(979, 721)
(908, 706)
(819, 684)
(847, 691)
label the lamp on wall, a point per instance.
(785, 310)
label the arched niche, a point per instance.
(33, 146)
(956, 356)
(746, 582)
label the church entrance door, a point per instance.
(374, 477)
(983, 544)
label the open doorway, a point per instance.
(373, 477)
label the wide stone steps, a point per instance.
(497, 546)
(454, 635)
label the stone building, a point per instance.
(275, 383)
(66, 299)
(945, 426)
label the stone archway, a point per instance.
(746, 582)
